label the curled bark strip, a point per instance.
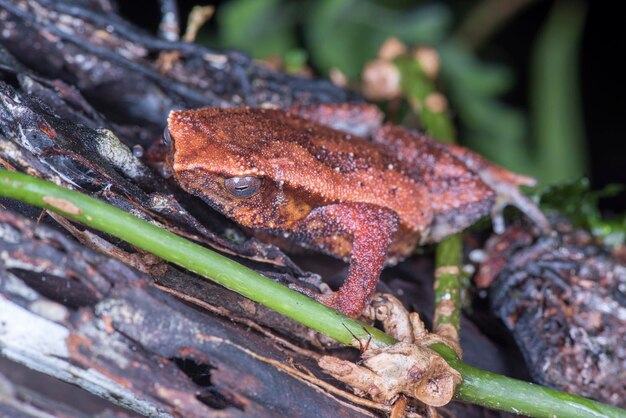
(403, 368)
(407, 327)
(407, 368)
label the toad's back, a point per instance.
(327, 165)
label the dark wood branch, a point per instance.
(116, 65)
(111, 332)
(562, 298)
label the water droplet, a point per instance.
(138, 151)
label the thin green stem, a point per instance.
(432, 109)
(448, 285)
(478, 387)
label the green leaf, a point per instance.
(490, 127)
(347, 33)
(260, 27)
(575, 200)
(471, 74)
(555, 95)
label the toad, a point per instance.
(333, 178)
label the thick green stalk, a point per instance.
(187, 254)
(500, 392)
(478, 387)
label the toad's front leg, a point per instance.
(361, 231)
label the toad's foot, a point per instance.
(506, 185)
(508, 193)
(407, 368)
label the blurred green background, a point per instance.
(546, 140)
(527, 84)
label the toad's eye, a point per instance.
(242, 187)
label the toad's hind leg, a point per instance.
(506, 185)
(423, 152)
(371, 229)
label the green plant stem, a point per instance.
(448, 284)
(500, 392)
(478, 387)
(191, 256)
(418, 87)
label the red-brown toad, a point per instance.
(332, 178)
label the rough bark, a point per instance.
(111, 332)
(563, 299)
